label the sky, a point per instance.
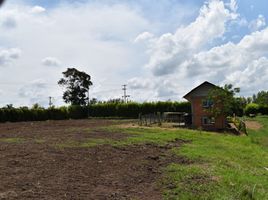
(160, 49)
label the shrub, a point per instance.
(263, 110)
(252, 108)
(77, 112)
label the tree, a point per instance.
(239, 105)
(118, 100)
(77, 85)
(93, 101)
(261, 98)
(9, 106)
(224, 102)
(37, 106)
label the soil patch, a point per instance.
(103, 172)
(99, 134)
(31, 170)
(55, 131)
(253, 125)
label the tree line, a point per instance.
(226, 103)
(99, 109)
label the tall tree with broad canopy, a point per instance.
(223, 100)
(77, 85)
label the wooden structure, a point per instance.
(180, 118)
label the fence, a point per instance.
(153, 118)
(159, 118)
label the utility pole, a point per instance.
(125, 93)
(88, 103)
(50, 102)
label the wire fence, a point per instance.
(159, 118)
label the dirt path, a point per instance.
(30, 170)
(253, 125)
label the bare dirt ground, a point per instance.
(40, 170)
(253, 125)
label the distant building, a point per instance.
(201, 118)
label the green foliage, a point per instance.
(224, 102)
(77, 85)
(101, 109)
(261, 98)
(263, 109)
(252, 108)
(58, 113)
(239, 106)
(255, 109)
(132, 109)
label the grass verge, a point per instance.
(227, 167)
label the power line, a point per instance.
(50, 101)
(125, 93)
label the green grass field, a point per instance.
(224, 166)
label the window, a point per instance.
(208, 120)
(207, 103)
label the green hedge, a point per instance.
(255, 109)
(129, 110)
(132, 110)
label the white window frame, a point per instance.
(210, 120)
(207, 103)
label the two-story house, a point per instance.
(201, 118)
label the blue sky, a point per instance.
(248, 8)
(161, 49)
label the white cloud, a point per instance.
(257, 24)
(139, 83)
(166, 89)
(242, 22)
(9, 22)
(8, 55)
(32, 89)
(8, 19)
(169, 51)
(244, 64)
(252, 77)
(93, 37)
(143, 37)
(51, 62)
(36, 91)
(186, 61)
(233, 5)
(37, 10)
(99, 38)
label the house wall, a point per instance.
(198, 112)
